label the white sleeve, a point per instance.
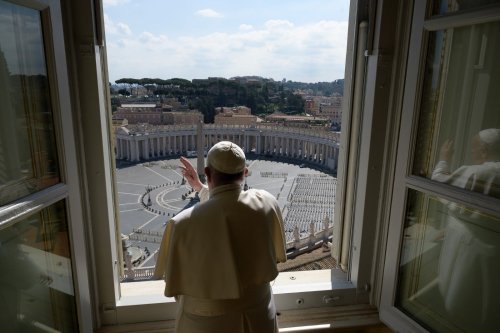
(441, 172)
(204, 193)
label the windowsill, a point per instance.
(151, 292)
(304, 281)
(143, 292)
(144, 301)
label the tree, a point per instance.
(124, 92)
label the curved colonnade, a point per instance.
(145, 142)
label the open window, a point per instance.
(444, 239)
(43, 279)
(326, 288)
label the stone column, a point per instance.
(129, 150)
(118, 148)
(125, 153)
(154, 142)
(124, 149)
(146, 148)
(135, 146)
(200, 146)
(153, 147)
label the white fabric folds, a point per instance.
(219, 256)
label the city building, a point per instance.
(417, 73)
(328, 107)
(182, 118)
(157, 114)
(239, 115)
(298, 121)
(140, 113)
(235, 110)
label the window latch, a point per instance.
(328, 299)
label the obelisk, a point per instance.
(200, 145)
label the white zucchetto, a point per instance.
(226, 157)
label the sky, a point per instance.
(295, 40)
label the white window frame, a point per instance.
(69, 188)
(404, 180)
(297, 290)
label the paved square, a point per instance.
(150, 193)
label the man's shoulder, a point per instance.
(183, 215)
(487, 168)
(200, 209)
(259, 194)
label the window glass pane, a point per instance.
(449, 266)
(459, 127)
(36, 284)
(440, 7)
(28, 153)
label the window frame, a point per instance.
(290, 290)
(422, 25)
(69, 187)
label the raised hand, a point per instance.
(446, 152)
(189, 172)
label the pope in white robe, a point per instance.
(219, 256)
(469, 264)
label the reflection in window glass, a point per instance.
(449, 268)
(27, 143)
(440, 7)
(459, 134)
(36, 284)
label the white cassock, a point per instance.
(469, 264)
(218, 258)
